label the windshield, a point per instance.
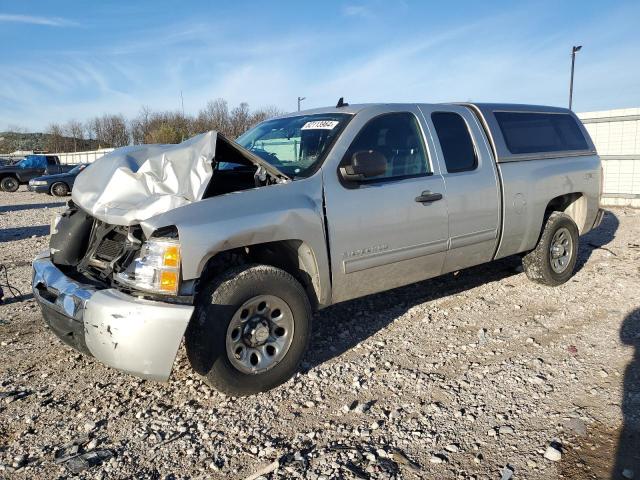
(77, 169)
(294, 145)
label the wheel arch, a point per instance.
(573, 204)
(294, 256)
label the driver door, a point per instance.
(381, 235)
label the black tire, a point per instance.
(9, 184)
(538, 263)
(59, 189)
(206, 335)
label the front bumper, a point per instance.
(38, 188)
(135, 335)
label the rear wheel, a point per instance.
(9, 184)
(250, 330)
(59, 189)
(554, 258)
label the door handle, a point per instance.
(428, 196)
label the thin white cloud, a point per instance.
(356, 11)
(36, 20)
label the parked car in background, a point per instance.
(12, 176)
(234, 245)
(59, 184)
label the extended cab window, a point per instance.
(531, 132)
(455, 142)
(397, 136)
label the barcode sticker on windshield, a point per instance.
(320, 125)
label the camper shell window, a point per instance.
(533, 132)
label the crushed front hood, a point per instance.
(132, 184)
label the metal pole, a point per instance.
(300, 99)
(574, 50)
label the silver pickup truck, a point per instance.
(233, 245)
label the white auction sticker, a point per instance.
(320, 125)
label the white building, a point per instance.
(616, 134)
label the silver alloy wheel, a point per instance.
(259, 334)
(59, 189)
(561, 250)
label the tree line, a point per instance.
(154, 127)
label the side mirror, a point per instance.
(364, 164)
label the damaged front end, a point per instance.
(108, 288)
(89, 296)
(115, 256)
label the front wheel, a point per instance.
(250, 330)
(554, 258)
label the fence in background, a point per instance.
(616, 134)
(82, 157)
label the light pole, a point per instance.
(300, 99)
(574, 50)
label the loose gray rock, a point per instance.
(553, 454)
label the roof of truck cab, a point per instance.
(514, 107)
(482, 106)
(486, 115)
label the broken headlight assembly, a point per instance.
(156, 269)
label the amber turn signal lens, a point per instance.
(171, 256)
(168, 281)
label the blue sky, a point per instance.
(76, 59)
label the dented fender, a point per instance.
(280, 212)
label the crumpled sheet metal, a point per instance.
(132, 184)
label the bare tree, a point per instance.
(215, 116)
(75, 130)
(155, 127)
(55, 139)
(240, 120)
(265, 113)
(110, 131)
(139, 126)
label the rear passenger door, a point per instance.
(380, 234)
(471, 185)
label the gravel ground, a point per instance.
(476, 375)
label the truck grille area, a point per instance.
(110, 249)
(90, 250)
(111, 246)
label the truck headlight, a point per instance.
(156, 269)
